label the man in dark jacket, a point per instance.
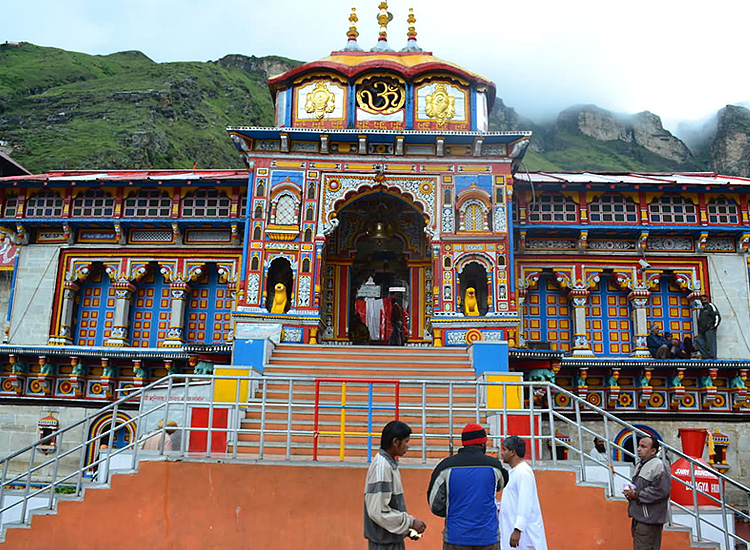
(657, 344)
(708, 321)
(462, 490)
(648, 496)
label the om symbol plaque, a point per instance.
(381, 95)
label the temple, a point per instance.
(379, 184)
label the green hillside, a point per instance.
(66, 110)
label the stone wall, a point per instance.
(34, 294)
(728, 275)
(18, 429)
(738, 453)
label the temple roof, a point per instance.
(408, 64)
(632, 178)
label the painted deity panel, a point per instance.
(320, 101)
(441, 105)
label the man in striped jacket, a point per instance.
(386, 520)
(462, 490)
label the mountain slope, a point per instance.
(71, 110)
(68, 110)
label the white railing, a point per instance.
(296, 418)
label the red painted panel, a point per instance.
(199, 439)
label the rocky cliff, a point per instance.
(730, 147)
(644, 129)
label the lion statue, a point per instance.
(471, 308)
(279, 299)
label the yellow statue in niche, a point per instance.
(320, 101)
(440, 105)
(471, 308)
(279, 299)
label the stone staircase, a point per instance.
(370, 399)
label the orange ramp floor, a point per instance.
(207, 506)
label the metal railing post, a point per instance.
(237, 421)
(261, 439)
(695, 501)
(610, 462)
(28, 485)
(209, 438)
(289, 420)
(424, 422)
(532, 431)
(450, 418)
(82, 461)
(185, 418)
(138, 431)
(580, 440)
(727, 544)
(55, 469)
(552, 425)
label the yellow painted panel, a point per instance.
(288, 164)
(511, 395)
(226, 390)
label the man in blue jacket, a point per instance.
(462, 490)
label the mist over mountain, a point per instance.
(68, 110)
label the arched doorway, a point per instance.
(624, 439)
(99, 434)
(379, 252)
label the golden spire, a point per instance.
(351, 44)
(353, 34)
(411, 35)
(384, 17)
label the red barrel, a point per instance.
(693, 442)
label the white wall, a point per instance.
(34, 294)
(730, 292)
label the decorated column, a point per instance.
(179, 292)
(65, 334)
(581, 345)
(119, 336)
(638, 303)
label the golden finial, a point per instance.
(384, 17)
(353, 34)
(412, 34)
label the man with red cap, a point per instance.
(462, 490)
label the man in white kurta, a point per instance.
(521, 524)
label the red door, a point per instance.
(199, 438)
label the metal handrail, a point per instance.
(444, 401)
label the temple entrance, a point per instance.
(375, 268)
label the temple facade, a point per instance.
(379, 184)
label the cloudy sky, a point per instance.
(680, 60)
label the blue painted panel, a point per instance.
(669, 309)
(608, 320)
(277, 176)
(208, 319)
(250, 353)
(483, 181)
(95, 311)
(489, 357)
(149, 316)
(548, 316)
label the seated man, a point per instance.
(657, 345)
(676, 350)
